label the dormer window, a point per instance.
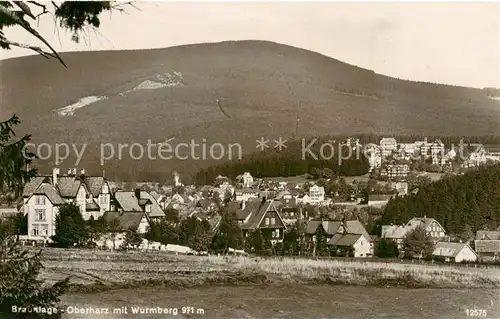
(148, 208)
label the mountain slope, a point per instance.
(225, 92)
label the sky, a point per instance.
(452, 43)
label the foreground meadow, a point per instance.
(100, 270)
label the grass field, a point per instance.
(100, 270)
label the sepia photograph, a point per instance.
(249, 159)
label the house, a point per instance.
(396, 233)
(492, 152)
(43, 195)
(137, 201)
(456, 252)
(246, 194)
(487, 245)
(125, 221)
(303, 199)
(395, 171)
(424, 147)
(246, 179)
(359, 245)
(342, 234)
(261, 214)
(208, 205)
(431, 226)
(317, 194)
(388, 145)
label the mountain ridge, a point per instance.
(263, 86)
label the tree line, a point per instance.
(460, 203)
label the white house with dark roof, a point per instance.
(43, 195)
(454, 252)
(344, 234)
(134, 220)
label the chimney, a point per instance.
(138, 193)
(55, 175)
(82, 172)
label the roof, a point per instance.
(68, 186)
(446, 249)
(330, 227)
(257, 214)
(32, 185)
(393, 231)
(344, 239)
(487, 235)
(50, 192)
(421, 221)
(91, 205)
(487, 246)
(94, 184)
(355, 227)
(127, 201)
(388, 140)
(127, 220)
(251, 206)
(156, 210)
(155, 194)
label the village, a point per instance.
(341, 210)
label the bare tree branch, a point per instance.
(38, 50)
(15, 17)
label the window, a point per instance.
(148, 208)
(45, 230)
(40, 200)
(291, 214)
(40, 214)
(267, 221)
(277, 233)
(273, 221)
(34, 230)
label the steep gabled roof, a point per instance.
(393, 231)
(50, 192)
(487, 235)
(32, 185)
(421, 221)
(68, 186)
(257, 215)
(446, 249)
(345, 240)
(330, 227)
(487, 246)
(127, 220)
(355, 227)
(156, 210)
(94, 184)
(127, 201)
